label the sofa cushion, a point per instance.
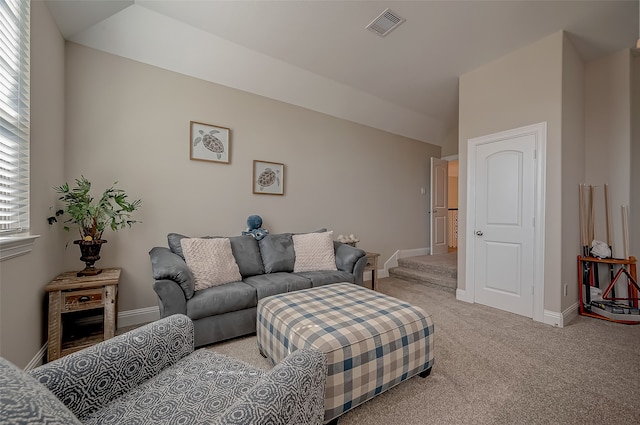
(277, 283)
(277, 253)
(326, 277)
(211, 261)
(24, 401)
(314, 251)
(221, 299)
(247, 254)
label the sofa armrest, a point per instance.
(291, 393)
(167, 265)
(358, 271)
(89, 379)
(171, 298)
(24, 401)
(347, 256)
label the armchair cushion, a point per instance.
(195, 390)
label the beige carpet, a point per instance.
(493, 367)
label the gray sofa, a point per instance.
(152, 375)
(266, 267)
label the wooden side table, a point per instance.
(372, 265)
(69, 293)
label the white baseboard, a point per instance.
(38, 359)
(570, 313)
(138, 317)
(553, 318)
(559, 320)
(463, 295)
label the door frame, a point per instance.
(539, 131)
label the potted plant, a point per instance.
(112, 210)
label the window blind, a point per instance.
(14, 115)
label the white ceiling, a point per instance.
(318, 54)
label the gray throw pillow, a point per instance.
(247, 254)
(174, 243)
(277, 253)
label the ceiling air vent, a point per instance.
(385, 23)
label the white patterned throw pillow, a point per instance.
(314, 251)
(211, 261)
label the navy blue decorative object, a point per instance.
(254, 227)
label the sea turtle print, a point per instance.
(210, 142)
(267, 178)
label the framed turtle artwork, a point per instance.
(268, 178)
(210, 143)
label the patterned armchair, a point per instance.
(153, 375)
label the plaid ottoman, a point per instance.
(372, 341)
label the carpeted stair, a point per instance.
(436, 271)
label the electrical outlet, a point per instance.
(566, 287)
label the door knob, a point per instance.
(479, 233)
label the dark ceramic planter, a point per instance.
(90, 251)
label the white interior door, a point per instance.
(502, 233)
(439, 207)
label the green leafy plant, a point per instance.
(112, 210)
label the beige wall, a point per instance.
(573, 166)
(519, 89)
(634, 221)
(608, 138)
(129, 122)
(22, 279)
(592, 115)
(450, 143)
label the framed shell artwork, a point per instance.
(210, 143)
(268, 178)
